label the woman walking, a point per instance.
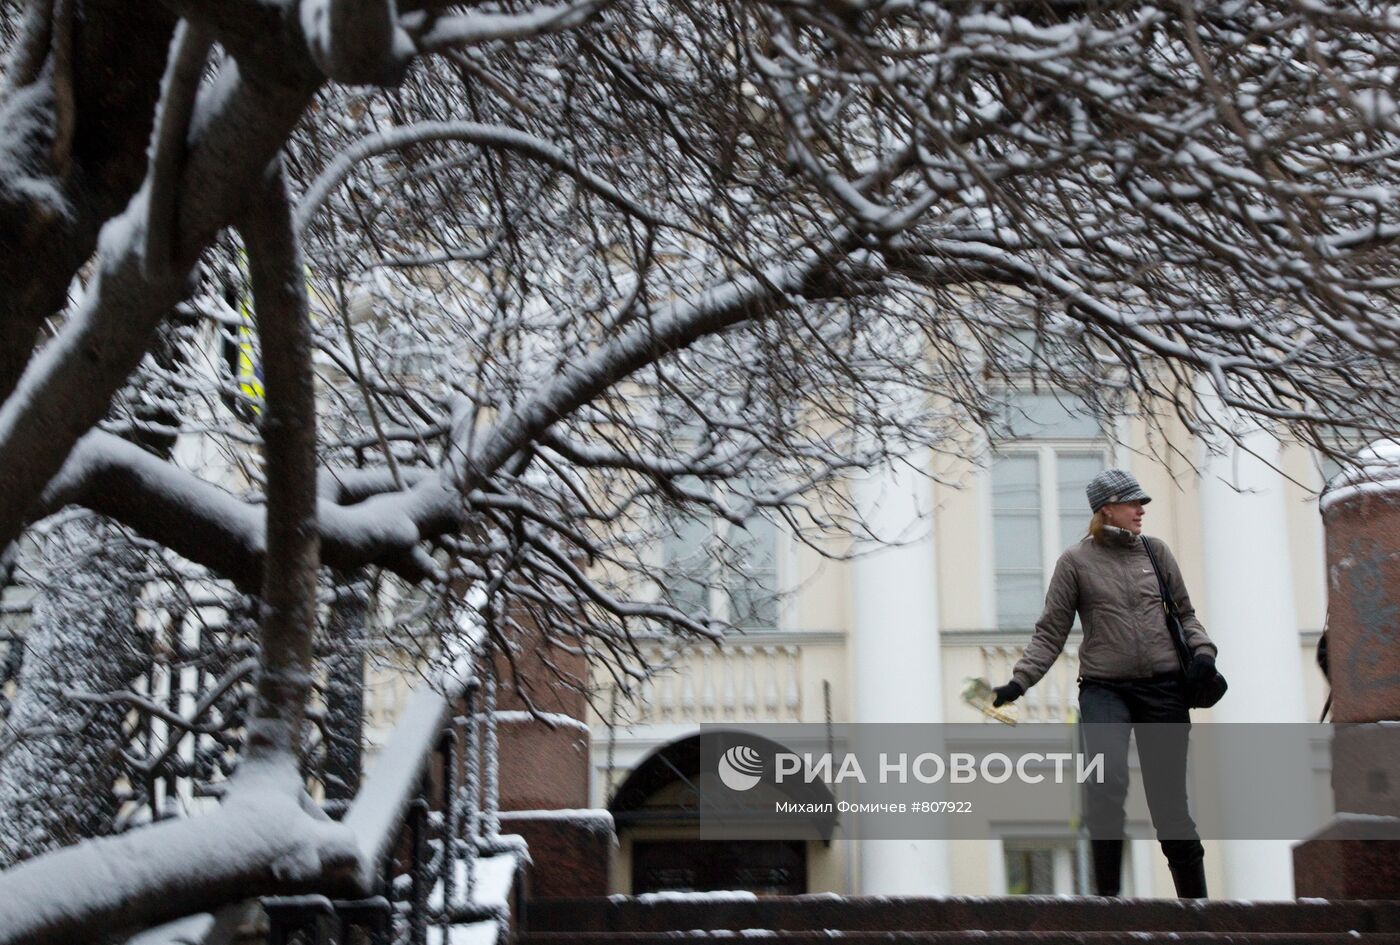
(1130, 673)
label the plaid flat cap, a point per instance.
(1114, 485)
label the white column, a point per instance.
(996, 867)
(1139, 864)
(1249, 606)
(896, 664)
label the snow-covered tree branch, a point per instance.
(561, 278)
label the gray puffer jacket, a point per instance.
(1111, 584)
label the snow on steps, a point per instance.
(1048, 920)
(495, 894)
(495, 890)
(972, 937)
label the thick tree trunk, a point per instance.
(267, 836)
(289, 433)
(57, 188)
(241, 125)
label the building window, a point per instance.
(687, 562)
(751, 591)
(1050, 450)
(713, 566)
(1042, 866)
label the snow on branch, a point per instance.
(674, 327)
(358, 42)
(435, 34)
(389, 785)
(1080, 200)
(214, 528)
(490, 136)
(188, 51)
(265, 838)
(236, 130)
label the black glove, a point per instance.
(1008, 693)
(1201, 669)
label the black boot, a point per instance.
(1189, 878)
(1108, 866)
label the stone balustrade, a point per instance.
(772, 676)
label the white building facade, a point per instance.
(892, 635)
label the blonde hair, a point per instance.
(1096, 525)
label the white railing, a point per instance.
(752, 683)
(1054, 699)
(751, 678)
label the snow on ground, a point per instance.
(190, 930)
(555, 719)
(474, 933)
(719, 895)
(596, 817)
(495, 876)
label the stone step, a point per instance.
(965, 937)
(1002, 914)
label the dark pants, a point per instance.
(1157, 710)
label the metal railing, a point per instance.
(424, 821)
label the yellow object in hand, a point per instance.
(978, 693)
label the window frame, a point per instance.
(1138, 849)
(1046, 448)
(719, 583)
(1063, 853)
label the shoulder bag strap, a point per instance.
(1183, 652)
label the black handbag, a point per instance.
(1209, 691)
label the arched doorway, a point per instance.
(657, 811)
